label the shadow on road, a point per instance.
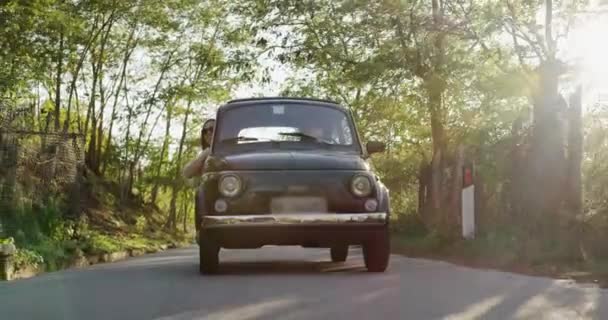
(287, 267)
(183, 263)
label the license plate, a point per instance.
(298, 204)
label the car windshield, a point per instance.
(292, 124)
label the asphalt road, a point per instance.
(293, 283)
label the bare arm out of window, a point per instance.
(195, 166)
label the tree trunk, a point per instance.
(100, 126)
(95, 32)
(131, 179)
(434, 196)
(38, 116)
(546, 164)
(91, 108)
(102, 102)
(93, 155)
(423, 182)
(150, 104)
(516, 182)
(119, 88)
(68, 116)
(575, 153)
(171, 223)
(78, 116)
(435, 91)
(47, 123)
(163, 151)
(58, 81)
(435, 215)
(456, 192)
(122, 183)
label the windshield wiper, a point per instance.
(239, 138)
(304, 136)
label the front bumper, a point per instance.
(314, 230)
(296, 219)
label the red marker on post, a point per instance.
(467, 176)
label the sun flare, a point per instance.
(588, 45)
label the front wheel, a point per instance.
(377, 251)
(338, 253)
(208, 255)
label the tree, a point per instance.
(116, 71)
(550, 174)
(406, 53)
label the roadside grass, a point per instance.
(54, 254)
(507, 249)
(54, 230)
(46, 240)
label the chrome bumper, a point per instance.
(299, 219)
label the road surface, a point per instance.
(293, 283)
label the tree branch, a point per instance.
(549, 28)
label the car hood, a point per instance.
(288, 160)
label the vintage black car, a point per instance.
(291, 171)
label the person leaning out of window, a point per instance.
(194, 170)
(195, 167)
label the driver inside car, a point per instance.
(317, 132)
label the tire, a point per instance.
(208, 256)
(199, 208)
(338, 253)
(377, 251)
(197, 216)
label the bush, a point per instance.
(25, 257)
(8, 240)
(35, 223)
(410, 225)
(53, 253)
(141, 224)
(101, 243)
(503, 246)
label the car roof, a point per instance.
(252, 101)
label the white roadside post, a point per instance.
(468, 202)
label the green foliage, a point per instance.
(101, 243)
(504, 246)
(420, 242)
(141, 224)
(32, 224)
(595, 164)
(25, 257)
(54, 254)
(8, 240)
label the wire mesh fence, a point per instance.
(34, 165)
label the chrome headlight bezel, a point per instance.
(225, 182)
(361, 186)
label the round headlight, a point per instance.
(371, 205)
(221, 205)
(361, 186)
(230, 185)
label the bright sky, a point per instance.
(588, 44)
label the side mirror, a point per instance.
(375, 147)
